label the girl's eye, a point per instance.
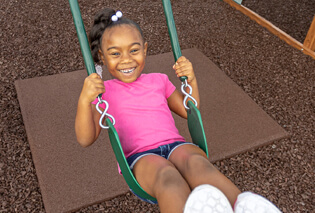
(134, 51)
(115, 54)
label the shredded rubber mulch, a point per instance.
(38, 38)
(291, 16)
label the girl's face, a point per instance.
(123, 51)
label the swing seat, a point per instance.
(195, 127)
(197, 133)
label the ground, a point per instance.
(293, 17)
(38, 38)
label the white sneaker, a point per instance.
(248, 202)
(207, 199)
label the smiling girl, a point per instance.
(164, 164)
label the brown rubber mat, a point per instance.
(72, 177)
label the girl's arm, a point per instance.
(183, 67)
(86, 121)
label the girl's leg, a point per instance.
(195, 167)
(160, 178)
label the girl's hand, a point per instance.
(92, 87)
(183, 67)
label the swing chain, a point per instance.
(187, 95)
(104, 113)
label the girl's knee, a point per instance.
(156, 175)
(170, 182)
(196, 162)
(168, 176)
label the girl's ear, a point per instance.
(145, 48)
(101, 56)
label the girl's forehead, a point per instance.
(124, 30)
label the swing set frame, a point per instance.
(308, 46)
(194, 120)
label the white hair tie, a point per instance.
(116, 16)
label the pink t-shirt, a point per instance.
(143, 118)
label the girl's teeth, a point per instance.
(127, 71)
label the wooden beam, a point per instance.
(309, 41)
(272, 28)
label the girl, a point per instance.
(166, 167)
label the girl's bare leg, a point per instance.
(195, 167)
(160, 178)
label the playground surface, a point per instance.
(293, 17)
(37, 38)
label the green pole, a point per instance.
(171, 28)
(84, 44)
(172, 31)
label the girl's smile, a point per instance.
(123, 52)
(127, 71)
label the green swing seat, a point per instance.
(193, 114)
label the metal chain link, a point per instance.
(104, 113)
(187, 95)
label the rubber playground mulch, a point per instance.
(38, 38)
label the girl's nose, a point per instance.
(126, 58)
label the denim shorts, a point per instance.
(164, 151)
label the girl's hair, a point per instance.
(102, 21)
